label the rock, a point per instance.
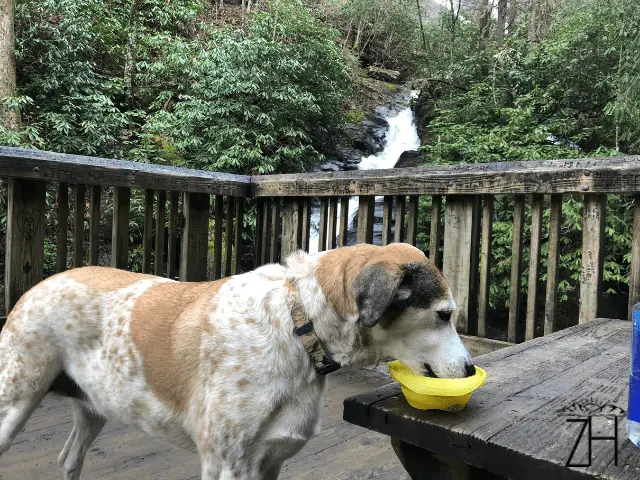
(348, 154)
(233, 2)
(409, 158)
(329, 167)
(383, 74)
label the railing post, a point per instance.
(291, 227)
(515, 304)
(534, 265)
(553, 263)
(195, 236)
(63, 223)
(365, 219)
(458, 258)
(593, 223)
(25, 238)
(120, 231)
(485, 264)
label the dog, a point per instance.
(232, 369)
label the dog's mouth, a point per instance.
(430, 372)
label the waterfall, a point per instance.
(402, 135)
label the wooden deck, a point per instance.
(341, 451)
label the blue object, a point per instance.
(633, 410)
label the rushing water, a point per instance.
(401, 136)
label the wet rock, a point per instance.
(383, 74)
(329, 167)
(348, 155)
(410, 158)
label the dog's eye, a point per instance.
(445, 315)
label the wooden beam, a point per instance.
(195, 236)
(25, 238)
(63, 225)
(275, 230)
(457, 258)
(387, 220)
(598, 175)
(306, 223)
(237, 244)
(120, 228)
(172, 248)
(228, 237)
(534, 265)
(332, 223)
(147, 232)
(344, 221)
(94, 225)
(593, 223)
(412, 220)
(485, 264)
(217, 236)
(553, 264)
(436, 231)
(78, 227)
(398, 232)
(477, 346)
(322, 226)
(291, 227)
(61, 167)
(158, 264)
(516, 267)
(365, 219)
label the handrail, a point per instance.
(61, 167)
(592, 175)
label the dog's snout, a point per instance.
(470, 369)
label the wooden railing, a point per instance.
(462, 211)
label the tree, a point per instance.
(502, 20)
(10, 116)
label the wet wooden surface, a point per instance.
(340, 451)
(526, 421)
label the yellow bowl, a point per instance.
(425, 393)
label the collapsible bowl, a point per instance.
(426, 393)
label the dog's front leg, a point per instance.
(214, 468)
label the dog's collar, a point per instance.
(303, 327)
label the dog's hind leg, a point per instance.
(86, 427)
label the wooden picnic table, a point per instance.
(530, 420)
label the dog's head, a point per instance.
(394, 301)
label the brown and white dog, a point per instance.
(218, 367)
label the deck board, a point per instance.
(340, 451)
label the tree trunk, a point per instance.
(424, 40)
(484, 13)
(502, 20)
(130, 61)
(512, 15)
(10, 117)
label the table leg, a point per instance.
(421, 464)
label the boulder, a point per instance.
(409, 158)
(383, 74)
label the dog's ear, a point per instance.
(375, 288)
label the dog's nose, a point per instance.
(470, 369)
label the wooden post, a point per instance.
(516, 266)
(63, 224)
(534, 265)
(387, 213)
(398, 233)
(436, 230)
(457, 258)
(332, 224)
(344, 221)
(94, 225)
(485, 264)
(120, 230)
(195, 236)
(306, 223)
(412, 220)
(275, 230)
(322, 227)
(264, 234)
(291, 227)
(237, 247)
(553, 262)
(217, 236)
(365, 219)
(147, 233)
(634, 271)
(593, 223)
(25, 238)
(260, 220)
(158, 264)
(172, 248)
(78, 227)
(228, 237)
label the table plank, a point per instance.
(516, 424)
